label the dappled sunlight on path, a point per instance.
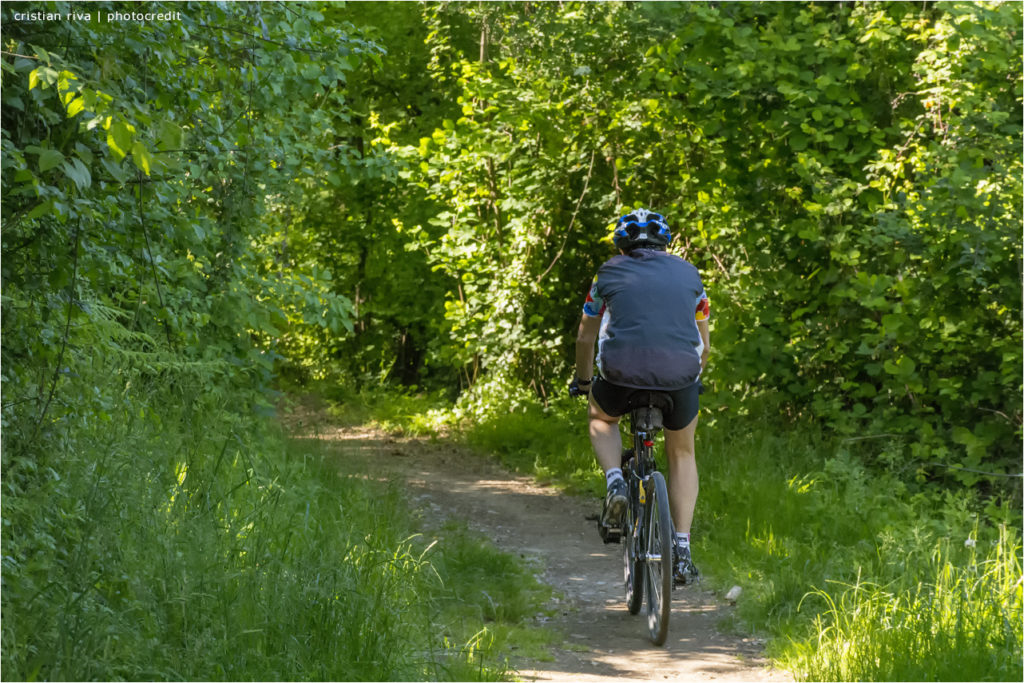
(552, 532)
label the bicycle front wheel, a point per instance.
(658, 558)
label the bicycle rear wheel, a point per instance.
(658, 558)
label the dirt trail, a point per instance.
(604, 642)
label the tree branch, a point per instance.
(67, 331)
(572, 222)
(210, 27)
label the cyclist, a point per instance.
(649, 313)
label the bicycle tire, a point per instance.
(632, 545)
(658, 558)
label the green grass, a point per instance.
(964, 625)
(543, 443)
(492, 588)
(412, 413)
(176, 541)
(852, 573)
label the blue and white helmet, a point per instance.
(641, 228)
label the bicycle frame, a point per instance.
(645, 423)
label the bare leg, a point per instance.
(604, 436)
(682, 474)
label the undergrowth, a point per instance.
(177, 540)
(852, 573)
(961, 624)
(815, 538)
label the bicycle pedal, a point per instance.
(608, 534)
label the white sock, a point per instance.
(611, 475)
(683, 539)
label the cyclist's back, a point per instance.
(648, 339)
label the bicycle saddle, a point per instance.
(647, 409)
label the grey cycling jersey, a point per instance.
(649, 337)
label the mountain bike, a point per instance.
(647, 533)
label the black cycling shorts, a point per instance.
(614, 400)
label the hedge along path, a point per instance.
(603, 642)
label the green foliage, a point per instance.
(418, 195)
(152, 529)
(485, 586)
(185, 542)
(843, 239)
(529, 440)
(964, 626)
(832, 522)
(412, 412)
(847, 178)
(142, 165)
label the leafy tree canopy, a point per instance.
(420, 194)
